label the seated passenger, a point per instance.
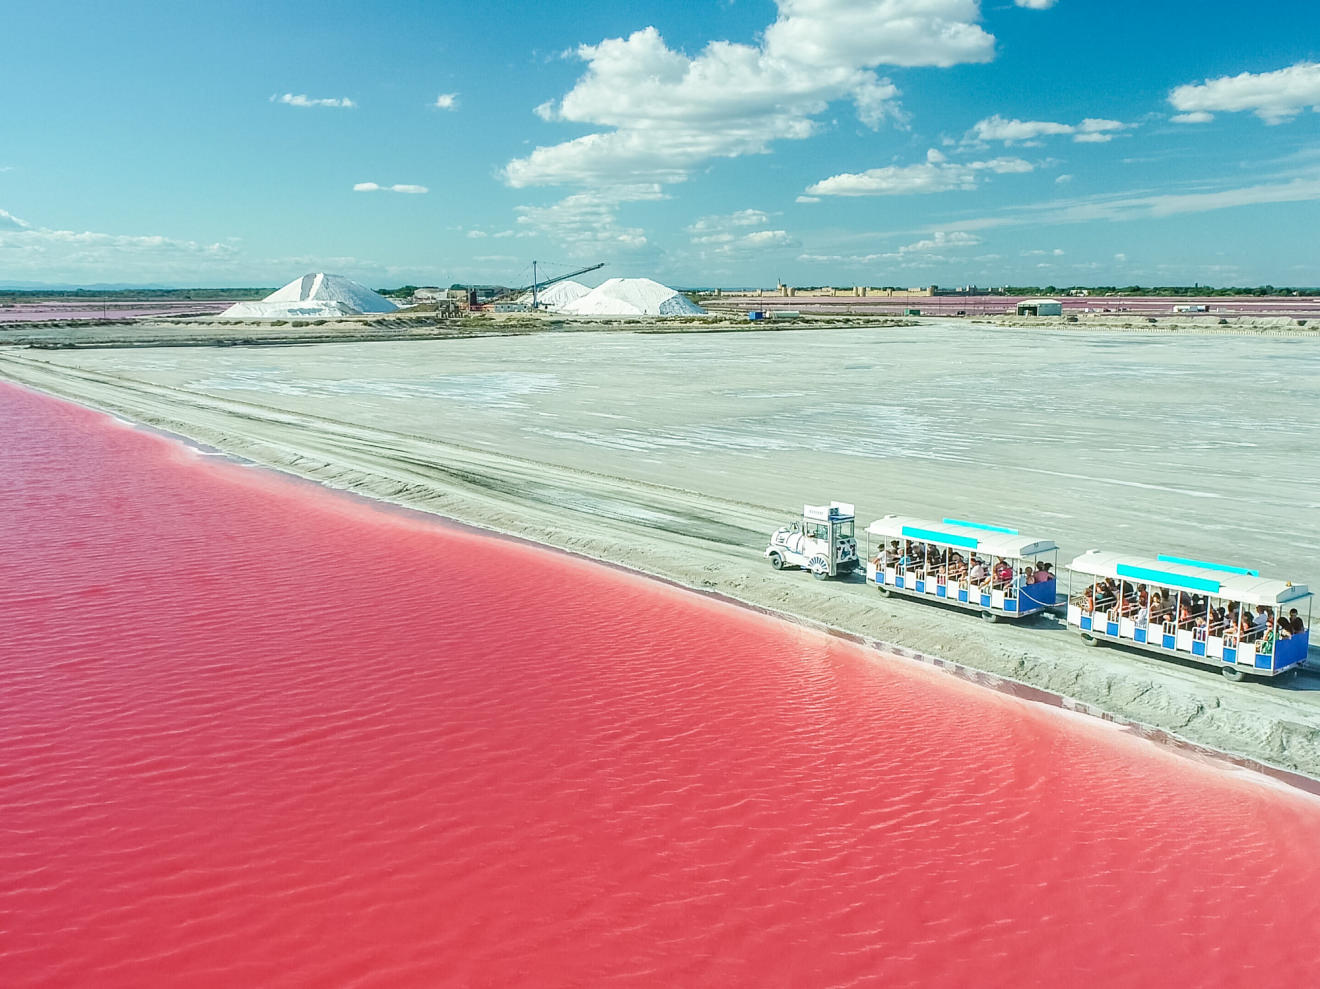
(957, 566)
(1088, 602)
(1003, 572)
(1106, 594)
(977, 574)
(1267, 636)
(1200, 628)
(1021, 580)
(1042, 574)
(1296, 625)
(939, 560)
(1185, 618)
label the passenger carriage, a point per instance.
(912, 574)
(1198, 592)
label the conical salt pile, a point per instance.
(316, 294)
(633, 297)
(556, 296)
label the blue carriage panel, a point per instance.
(1291, 650)
(941, 591)
(1010, 604)
(900, 581)
(1086, 623)
(1230, 654)
(985, 600)
(1168, 641)
(1263, 661)
(1038, 595)
(921, 586)
(1198, 647)
(879, 576)
(1111, 628)
(1139, 635)
(962, 595)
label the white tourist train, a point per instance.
(1216, 614)
(1211, 613)
(990, 569)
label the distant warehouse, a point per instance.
(1040, 307)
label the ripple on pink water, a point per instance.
(255, 733)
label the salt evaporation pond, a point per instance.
(257, 733)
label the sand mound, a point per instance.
(316, 294)
(633, 297)
(558, 295)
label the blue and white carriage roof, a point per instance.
(1216, 579)
(986, 540)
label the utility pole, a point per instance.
(534, 305)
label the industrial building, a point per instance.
(1040, 307)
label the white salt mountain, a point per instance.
(556, 296)
(633, 297)
(316, 295)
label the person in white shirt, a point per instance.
(977, 574)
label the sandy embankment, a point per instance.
(700, 528)
(213, 331)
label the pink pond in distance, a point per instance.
(37, 312)
(257, 733)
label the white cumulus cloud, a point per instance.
(446, 101)
(740, 218)
(46, 254)
(1036, 4)
(289, 99)
(727, 234)
(936, 174)
(587, 221)
(1272, 96)
(411, 190)
(996, 128)
(668, 113)
(939, 240)
(8, 221)
(1093, 130)
(920, 254)
(1097, 130)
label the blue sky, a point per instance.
(902, 142)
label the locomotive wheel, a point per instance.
(776, 561)
(1233, 673)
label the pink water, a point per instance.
(256, 733)
(25, 312)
